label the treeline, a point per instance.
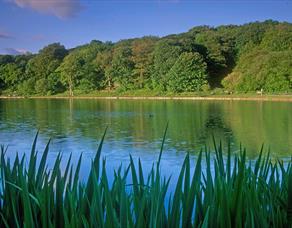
(242, 58)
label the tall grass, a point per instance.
(234, 194)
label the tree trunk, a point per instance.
(109, 84)
(70, 87)
(141, 78)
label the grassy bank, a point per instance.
(234, 194)
(148, 94)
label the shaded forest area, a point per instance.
(243, 58)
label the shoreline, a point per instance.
(285, 98)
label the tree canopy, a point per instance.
(243, 58)
(188, 74)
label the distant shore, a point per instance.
(286, 98)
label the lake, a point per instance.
(136, 127)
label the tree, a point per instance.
(71, 71)
(5, 59)
(121, 68)
(218, 50)
(188, 74)
(278, 39)
(241, 57)
(12, 71)
(102, 65)
(79, 69)
(11, 75)
(142, 58)
(43, 66)
(165, 54)
(261, 69)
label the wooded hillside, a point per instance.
(242, 58)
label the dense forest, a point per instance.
(249, 57)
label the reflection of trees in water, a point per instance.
(255, 123)
(191, 123)
(2, 111)
(216, 127)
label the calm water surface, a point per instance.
(136, 127)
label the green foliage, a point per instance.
(71, 70)
(46, 62)
(216, 48)
(221, 191)
(259, 69)
(4, 59)
(278, 38)
(78, 70)
(241, 58)
(12, 71)
(11, 74)
(188, 74)
(41, 86)
(27, 87)
(251, 33)
(102, 65)
(142, 57)
(265, 63)
(121, 68)
(165, 54)
(42, 66)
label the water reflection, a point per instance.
(136, 126)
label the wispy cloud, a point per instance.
(14, 51)
(38, 37)
(4, 35)
(59, 8)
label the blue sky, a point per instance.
(28, 25)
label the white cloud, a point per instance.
(59, 8)
(14, 51)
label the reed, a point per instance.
(234, 193)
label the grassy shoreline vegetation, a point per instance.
(234, 193)
(229, 59)
(154, 96)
